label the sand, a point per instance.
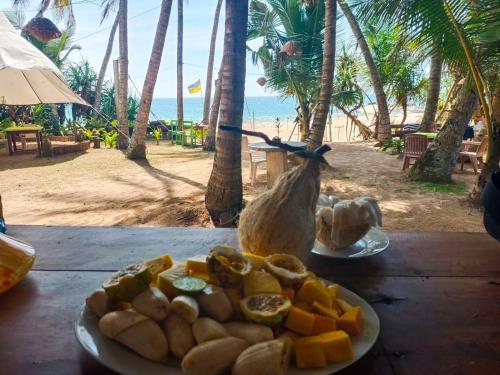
(103, 188)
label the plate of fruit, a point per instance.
(225, 312)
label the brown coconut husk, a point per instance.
(282, 219)
(291, 48)
(42, 29)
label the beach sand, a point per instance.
(101, 187)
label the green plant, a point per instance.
(157, 134)
(110, 138)
(394, 147)
(42, 115)
(288, 40)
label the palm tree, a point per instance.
(438, 162)
(210, 68)
(224, 196)
(466, 31)
(315, 137)
(122, 111)
(82, 80)
(384, 121)
(431, 103)
(105, 62)
(209, 144)
(137, 147)
(61, 8)
(180, 97)
(291, 52)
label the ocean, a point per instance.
(258, 109)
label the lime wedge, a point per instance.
(189, 285)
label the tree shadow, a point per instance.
(22, 161)
(162, 175)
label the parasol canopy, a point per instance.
(27, 76)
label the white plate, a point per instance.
(122, 360)
(374, 242)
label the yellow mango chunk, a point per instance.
(313, 290)
(337, 346)
(197, 264)
(257, 282)
(256, 261)
(325, 311)
(304, 306)
(166, 279)
(158, 265)
(343, 305)
(351, 321)
(309, 352)
(323, 324)
(333, 290)
(300, 321)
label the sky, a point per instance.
(143, 17)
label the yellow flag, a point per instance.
(194, 87)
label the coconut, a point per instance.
(42, 29)
(282, 219)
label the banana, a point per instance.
(265, 358)
(213, 357)
(206, 329)
(179, 335)
(186, 307)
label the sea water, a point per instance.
(257, 110)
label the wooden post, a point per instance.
(116, 75)
(276, 166)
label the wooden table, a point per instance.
(437, 296)
(275, 157)
(14, 133)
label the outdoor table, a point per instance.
(16, 131)
(437, 296)
(275, 157)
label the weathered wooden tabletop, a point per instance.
(437, 296)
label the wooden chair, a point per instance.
(474, 152)
(254, 158)
(415, 145)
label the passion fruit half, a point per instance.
(226, 266)
(269, 309)
(128, 282)
(289, 270)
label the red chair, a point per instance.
(415, 145)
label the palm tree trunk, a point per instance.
(137, 147)
(315, 138)
(431, 103)
(449, 98)
(180, 99)
(104, 65)
(209, 144)
(492, 164)
(438, 161)
(211, 55)
(383, 132)
(224, 196)
(364, 130)
(122, 110)
(404, 106)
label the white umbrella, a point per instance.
(27, 76)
